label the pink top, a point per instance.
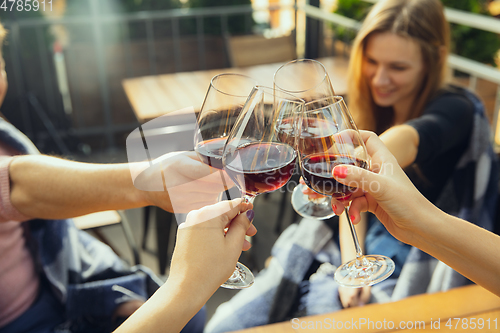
(18, 281)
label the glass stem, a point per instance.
(359, 253)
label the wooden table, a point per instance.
(156, 95)
(457, 310)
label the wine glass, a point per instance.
(256, 157)
(326, 137)
(223, 103)
(308, 80)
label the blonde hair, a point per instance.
(422, 21)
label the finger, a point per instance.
(372, 142)
(191, 165)
(344, 299)
(222, 212)
(365, 295)
(337, 206)
(246, 245)
(238, 228)
(360, 178)
(355, 300)
(252, 230)
(363, 204)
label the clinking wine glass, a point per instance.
(223, 103)
(256, 157)
(307, 79)
(320, 149)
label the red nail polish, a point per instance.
(334, 207)
(340, 172)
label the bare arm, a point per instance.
(411, 218)
(204, 257)
(402, 141)
(467, 248)
(49, 187)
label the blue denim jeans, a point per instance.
(379, 241)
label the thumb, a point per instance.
(360, 178)
(238, 228)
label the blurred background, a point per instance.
(66, 60)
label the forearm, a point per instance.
(402, 141)
(49, 187)
(467, 248)
(170, 308)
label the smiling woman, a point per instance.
(395, 77)
(397, 89)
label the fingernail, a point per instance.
(334, 207)
(340, 171)
(250, 214)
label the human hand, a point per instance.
(351, 297)
(385, 191)
(179, 182)
(204, 250)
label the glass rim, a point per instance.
(297, 61)
(335, 99)
(212, 84)
(288, 96)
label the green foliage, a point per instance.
(355, 9)
(468, 42)
(473, 43)
(473, 6)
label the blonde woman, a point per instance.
(398, 89)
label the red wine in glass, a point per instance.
(210, 151)
(317, 172)
(261, 167)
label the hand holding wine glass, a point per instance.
(339, 143)
(256, 157)
(222, 106)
